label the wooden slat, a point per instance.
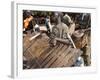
(68, 61)
(59, 60)
(52, 55)
(73, 58)
(27, 45)
(39, 47)
(43, 58)
(34, 59)
(66, 58)
(56, 56)
(28, 55)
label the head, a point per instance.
(27, 14)
(30, 18)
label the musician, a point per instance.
(27, 23)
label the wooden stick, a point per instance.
(71, 40)
(34, 36)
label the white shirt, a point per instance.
(36, 26)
